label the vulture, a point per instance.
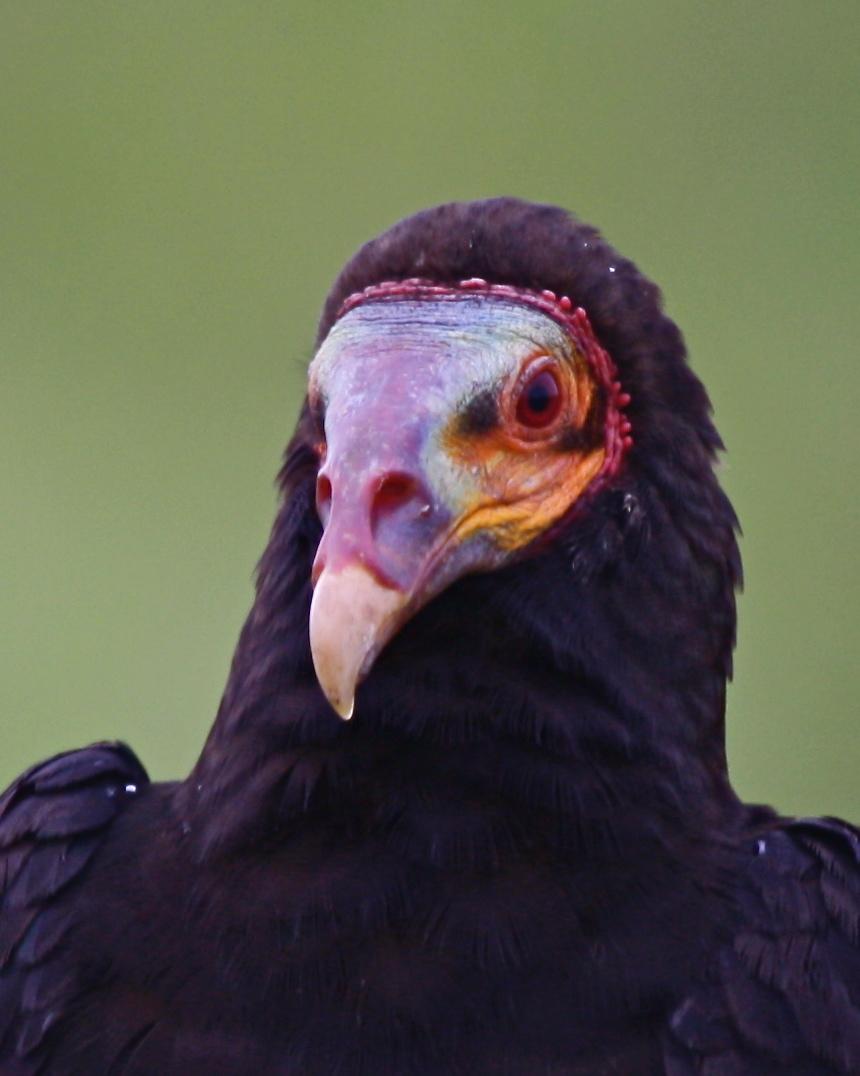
(465, 806)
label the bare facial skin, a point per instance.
(455, 432)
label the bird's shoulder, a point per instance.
(781, 993)
(53, 820)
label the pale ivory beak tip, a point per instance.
(352, 616)
(343, 711)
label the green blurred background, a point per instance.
(180, 181)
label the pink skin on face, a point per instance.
(393, 379)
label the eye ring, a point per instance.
(539, 396)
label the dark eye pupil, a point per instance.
(541, 394)
(540, 401)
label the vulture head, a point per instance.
(500, 527)
(494, 386)
(459, 426)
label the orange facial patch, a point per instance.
(527, 480)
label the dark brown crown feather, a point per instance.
(509, 241)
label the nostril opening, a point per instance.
(393, 490)
(323, 497)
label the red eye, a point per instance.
(540, 400)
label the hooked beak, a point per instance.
(377, 562)
(352, 618)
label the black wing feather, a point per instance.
(783, 994)
(52, 821)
